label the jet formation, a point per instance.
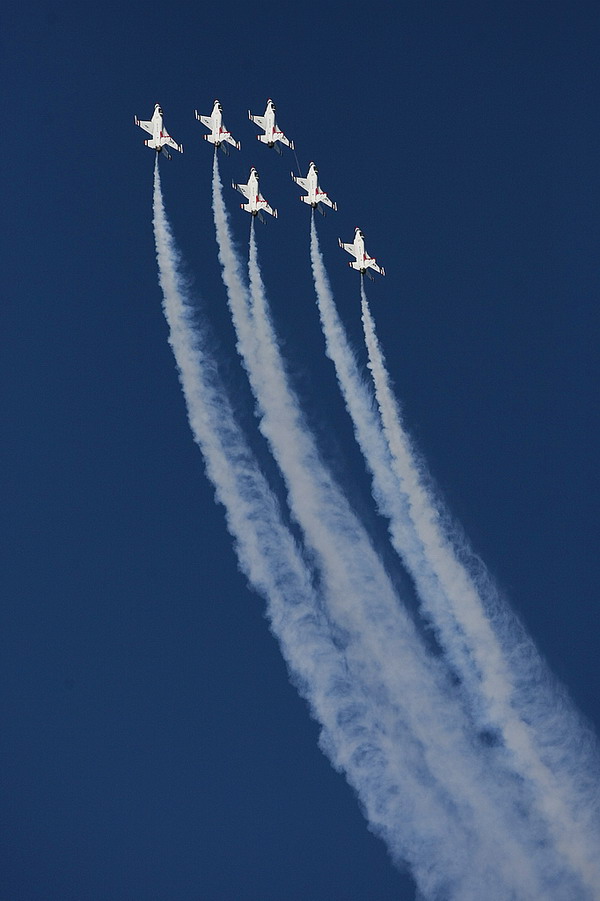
(255, 203)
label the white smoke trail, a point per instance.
(407, 540)
(421, 556)
(412, 543)
(355, 734)
(372, 441)
(376, 633)
(547, 744)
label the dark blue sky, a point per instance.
(152, 746)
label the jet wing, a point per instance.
(206, 120)
(303, 182)
(349, 248)
(278, 135)
(167, 139)
(147, 126)
(263, 205)
(373, 265)
(258, 120)
(323, 198)
(243, 189)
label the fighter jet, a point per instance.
(256, 202)
(272, 133)
(218, 132)
(315, 195)
(160, 135)
(363, 261)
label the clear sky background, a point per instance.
(152, 747)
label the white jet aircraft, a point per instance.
(363, 261)
(218, 132)
(160, 135)
(272, 133)
(315, 195)
(256, 202)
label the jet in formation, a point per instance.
(256, 202)
(218, 133)
(272, 133)
(314, 195)
(362, 262)
(160, 136)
